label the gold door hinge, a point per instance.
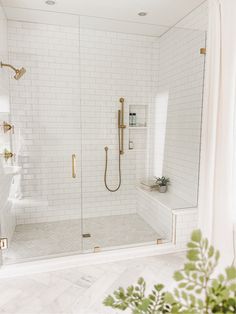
(3, 243)
(159, 241)
(203, 51)
(97, 249)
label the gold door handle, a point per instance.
(73, 166)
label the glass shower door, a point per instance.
(113, 66)
(45, 110)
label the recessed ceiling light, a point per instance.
(50, 2)
(142, 13)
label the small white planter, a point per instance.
(163, 189)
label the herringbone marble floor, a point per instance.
(82, 290)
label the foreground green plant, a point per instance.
(197, 291)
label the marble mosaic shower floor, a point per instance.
(40, 240)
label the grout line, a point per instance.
(183, 19)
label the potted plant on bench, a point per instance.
(162, 184)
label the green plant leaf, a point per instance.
(169, 298)
(109, 301)
(192, 298)
(190, 266)
(211, 251)
(221, 278)
(178, 276)
(184, 295)
(193, 255)
(196, 236)
(182, 285)
(176, 292)
(217, 256)
(231, 273)
(159, 287)
(144, 305)
(192, 245)
(140, 281)
(200, 303)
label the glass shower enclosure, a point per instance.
(101, 110)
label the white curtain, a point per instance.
(217, 182)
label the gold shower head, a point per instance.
(18, 72)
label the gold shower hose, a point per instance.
(105, 173)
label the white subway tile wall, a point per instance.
(184, 222)
(179, 104)
(113, 65)
(155, 214)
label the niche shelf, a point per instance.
(137, 132)
(137, 127)
(141, 112)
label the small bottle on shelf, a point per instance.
(130, 119)
(131, 145)
(134, 119)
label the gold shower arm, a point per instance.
(9, 66)
(18, 72)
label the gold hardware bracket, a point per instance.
(203, 51)
(86, 235)
(3, 243)
(7, 127)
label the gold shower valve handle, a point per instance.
(8, 127)
(7, 154)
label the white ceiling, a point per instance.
(119, 15)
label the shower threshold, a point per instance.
(80, 260)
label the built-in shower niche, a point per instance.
(138, 124)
